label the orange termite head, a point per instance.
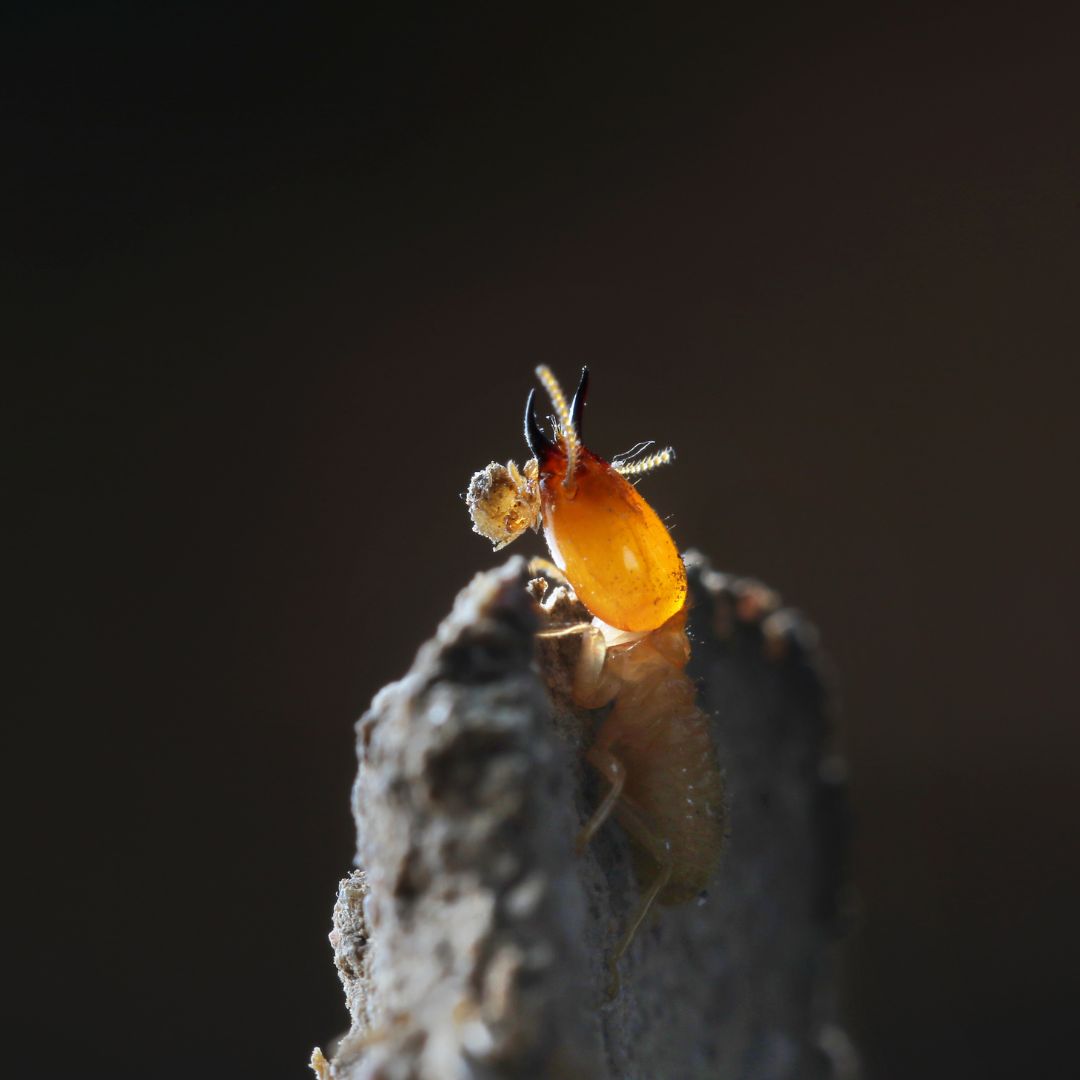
(602, 534)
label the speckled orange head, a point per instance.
(602, 534)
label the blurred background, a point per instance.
(275, 278)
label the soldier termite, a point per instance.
(654, 747)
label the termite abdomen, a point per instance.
(673, 784)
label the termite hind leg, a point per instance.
(613, 770)
(660, 851)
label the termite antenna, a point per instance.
(577, 406)
(537, 441)
(645, 464)
(566, 422)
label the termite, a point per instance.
(654, 747)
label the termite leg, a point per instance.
(658, 849)
(591, 689)
(634, 822)
(609, 766)
(566, 631)
(539, 565)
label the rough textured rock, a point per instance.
(473, 943)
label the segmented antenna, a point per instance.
(566, 423)
(645, 464)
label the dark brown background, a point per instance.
(275, 282)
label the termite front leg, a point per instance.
(572, 630)
(539, 565)
(592, 687)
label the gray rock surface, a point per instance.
(474, 943)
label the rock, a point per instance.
(474, 943)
